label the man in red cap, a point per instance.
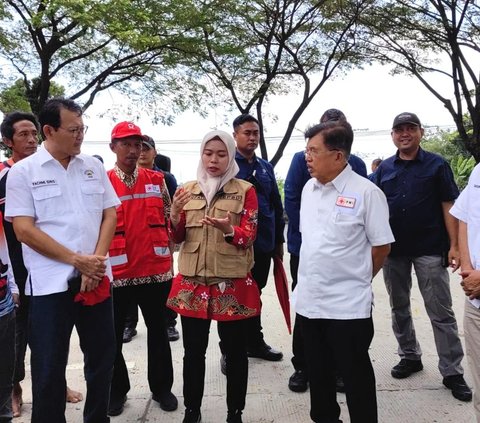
(140, 254)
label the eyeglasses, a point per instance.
(312, 152)
(75, 132)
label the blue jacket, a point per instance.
(270, 210)
(297, 177)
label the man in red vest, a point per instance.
(140, 254)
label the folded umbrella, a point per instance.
(281, 285)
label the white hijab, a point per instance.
(210, 185)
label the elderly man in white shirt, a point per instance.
(345, 239)
(62, 207)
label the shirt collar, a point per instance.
(238, 156)
(420, 156)
(45, 156)
(127, 179)
(339, 182)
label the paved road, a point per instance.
(420, 398)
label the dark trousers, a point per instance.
(21, 331)
(7, 360)
(260, 273)
(132, 317)
(151, 299)
(51, 320)
(298, 358)
(195, 342)
(341, 346)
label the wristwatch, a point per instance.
(229, 237)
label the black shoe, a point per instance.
(128, 334)
(234, 416)
(265, 352)
(167, 401)
(298, 382)
(223, 364)
(116, 406)
(339, 385)
(459, 387)
(172, 333)
(192, 416)
(406, 367)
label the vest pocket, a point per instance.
(230, 261)
(188, 258)
(118, 253)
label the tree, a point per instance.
(15, 97)
(92, 45)
(434, 40)
(272, 47)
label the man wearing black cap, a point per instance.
(420, 190)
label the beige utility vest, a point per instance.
(205, 255)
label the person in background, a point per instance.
(9, 300)
(375, 163)
(466, 210)
(98, 157)
(147, 161)
(141, 255)
(62, 207)
(420, 191)
(297, 177)
(216, 219)
(20, 135)
(345, 239)
(271, 224)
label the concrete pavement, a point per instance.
(419, 398)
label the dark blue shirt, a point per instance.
(270, 210)
(297, 177)
(170, 180)
(415, 190)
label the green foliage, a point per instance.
(449, 145)
(462, 167)
(15, 96)
(281, 188)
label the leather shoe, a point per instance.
(406, 367)
(116, 406)
(167, 401)
(339, 385)
(459, 387)
(234, 416)
(265, 352)
(192, 416)
(298, 382)
(223, 364)
(172, 333)
(128, 334)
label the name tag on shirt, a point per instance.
(44, 182)
(347, 202)
(152, 188)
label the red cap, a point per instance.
(126, 129)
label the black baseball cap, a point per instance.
(406, 117)
(149, 142)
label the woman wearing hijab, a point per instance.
(216, 218)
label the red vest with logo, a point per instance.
(140, 244)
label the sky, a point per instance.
(370, 98)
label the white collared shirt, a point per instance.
(340, 222)
(467, 209)
(67, 204)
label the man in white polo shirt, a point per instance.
(345, 239)
(62, 207)
(467, 210)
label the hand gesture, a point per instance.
(180, 198)
(225, 224)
